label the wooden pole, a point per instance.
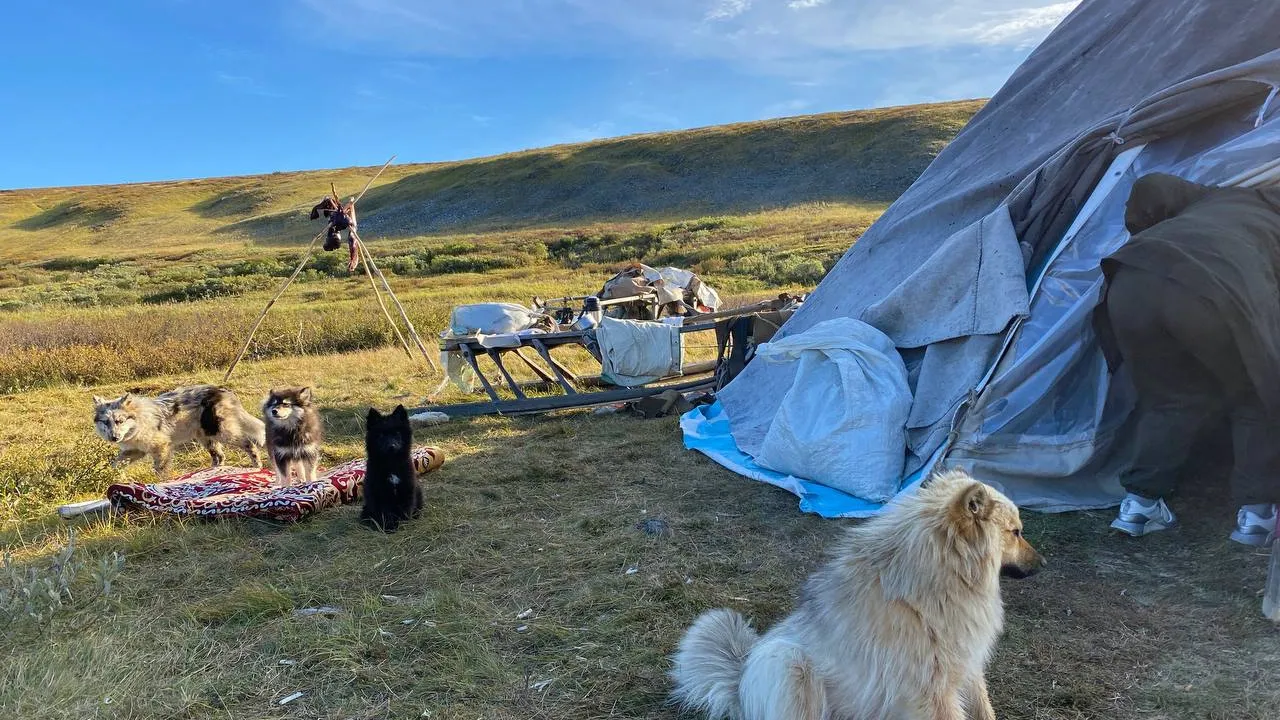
(375, 177)
(385, 313)
(413, 332)
(306, 255)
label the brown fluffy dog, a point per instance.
(293, 434)
(899, 625)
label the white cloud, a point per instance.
(569, 133)
(722, 29)
(1021, 26)
(728, 9)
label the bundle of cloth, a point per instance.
(679, 291)
(225, 492)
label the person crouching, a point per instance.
(1192, 304)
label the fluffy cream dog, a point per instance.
(899, 625)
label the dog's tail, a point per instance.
(708, 664)
(254, 428)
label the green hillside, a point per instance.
(112, 282)
(848, 157)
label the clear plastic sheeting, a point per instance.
(1044, 428)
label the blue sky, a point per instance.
(161, 89)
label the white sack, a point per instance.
(636, 353)
(490, 319)
(843, 421)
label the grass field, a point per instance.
(528, 589)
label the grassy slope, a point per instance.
(849, 157)
(534, 514)
(86, 274)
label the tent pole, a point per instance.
(1271, 595)
(385, 313)
(306, 255)
(413, 333)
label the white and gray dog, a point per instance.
(152, 427)
(293, 434)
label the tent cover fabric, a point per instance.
(985, 272)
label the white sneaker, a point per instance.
(1142, 516)
(1254, 529)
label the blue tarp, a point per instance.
(706, 429)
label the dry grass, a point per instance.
(543, 514)
(85, 321)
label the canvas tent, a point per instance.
(985, 271)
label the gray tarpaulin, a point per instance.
(945, 271)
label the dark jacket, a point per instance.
(1221, 244)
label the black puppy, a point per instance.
(391, 491)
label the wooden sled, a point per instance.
(535, 353)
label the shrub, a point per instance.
(259, 266)
(456, 248)
(535, 250)
(208, 288)
(471, 263)
(31, 596)
(780, 270)
(78, 468)
(74, 264)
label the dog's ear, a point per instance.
(305, 395)
(975, 502)
(126, 398)
(99, 401)
(373, 416)
(400, 413)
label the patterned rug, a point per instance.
(248, 492)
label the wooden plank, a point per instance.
(475, 367)
(689, 371)
(561, 402)
(565, 385)
(555, 339)
(496, 357)
(559, 369)
(546, 378)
